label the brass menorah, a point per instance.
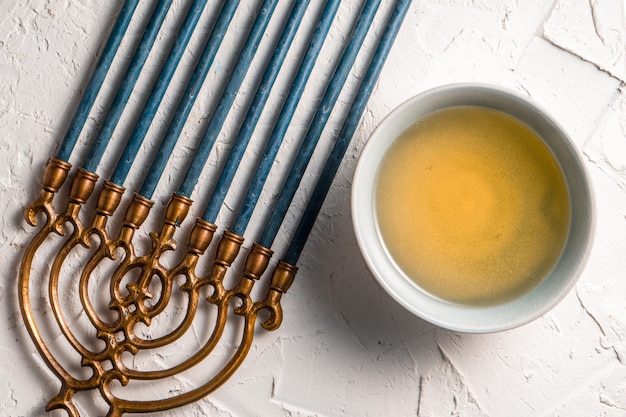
(140, 287)
(132, 308)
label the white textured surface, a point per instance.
(345, 348)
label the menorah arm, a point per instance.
(100, 255)
(81, 190)
(196, 358)
(220, 298)
(28, 316)
(69, 384)
(53, 289)
(56, 173)
(119, 407)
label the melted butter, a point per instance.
(472, 206)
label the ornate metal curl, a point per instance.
(130, 297)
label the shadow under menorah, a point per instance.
(140, 286)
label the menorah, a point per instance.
(140, 286)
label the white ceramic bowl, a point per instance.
(467, 318)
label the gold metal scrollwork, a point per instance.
(131, 299)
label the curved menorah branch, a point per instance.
(199, 356)
(120, 406)
(104, 251)
(108, 202)
(135, 216)
(82, 188)
(54, 177)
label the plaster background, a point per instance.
(345, 348)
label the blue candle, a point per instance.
(157, 93)
(192, 90)
(102, 67)
(228, 96)
(319, 121)
(127, 85)
(347, 131)
(288, 109)
(254, 112)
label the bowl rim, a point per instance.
(477, 319)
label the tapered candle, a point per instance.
(345, 135)
(282, 123)
(158, 91)
(166, 146)
(228, 96)
(97, 78)
(303, 155)
(126, 87)
(254, 112)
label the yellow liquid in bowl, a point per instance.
(472, 206)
